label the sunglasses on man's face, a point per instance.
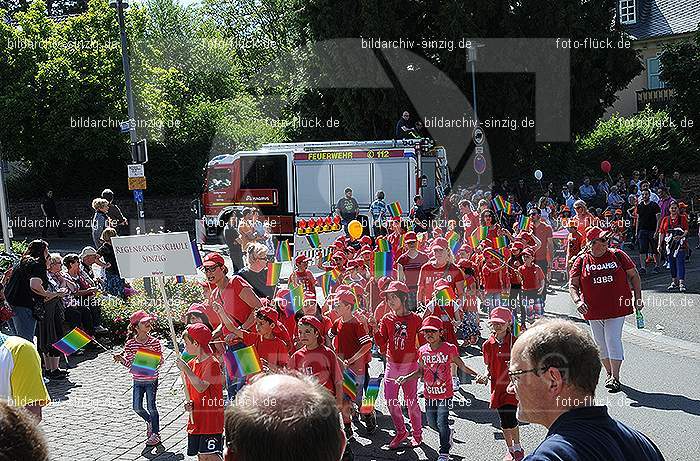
(211, 268)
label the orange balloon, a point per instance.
(355, 229)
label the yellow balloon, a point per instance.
(355, 229)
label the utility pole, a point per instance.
(4, 212)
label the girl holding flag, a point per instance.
(441, 266)
(145, 379)
(302, 275)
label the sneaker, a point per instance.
(642, 270)
(615, 386)
(672, 286)
(656, 269)
(608, 381)
(79, 352)
(508, 457)
(153, 440)
(416, 441)
(149, 430)
(397, 440)
(443, 457)
(370, 422)
(452, 441)
(681, 287)
(56, 374)
(456, 382)
(518, 455)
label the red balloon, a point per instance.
(605, 166)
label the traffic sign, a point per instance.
(124, 126)
(136, 170)
(138, 196)
(478, 136)
(137, 183)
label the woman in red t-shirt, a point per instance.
(441, 266)
(673, 231)
(600, 288)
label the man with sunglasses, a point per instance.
(603, 282)
(554, 369)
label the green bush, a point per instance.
(116, 312)
(18, 248)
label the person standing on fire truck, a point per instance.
(347, 208)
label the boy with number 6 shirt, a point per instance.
(532, 278)
(204, 381)
(353, 344)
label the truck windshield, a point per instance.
(218, 178)
(266, 172)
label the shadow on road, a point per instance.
(158, 453)
(662, 401)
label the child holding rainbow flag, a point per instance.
(142, 355)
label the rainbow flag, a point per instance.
(145, 362)
(474, 241)
(314, 240)
(370, 397)
(524, 222)
(502, 205)
(327, 281)
(382, 264)
(273, 273)
(517, 328)
(444, 297)
(243, 362)
(283, 253)
(501, 242)
(350, 384)
(186, 357)
(453, 240)
(395, 209)
(179, 279)
(295, 300)
(483, 232)
(74, 340)
(495, 253)
(196, 254)
(383, 246)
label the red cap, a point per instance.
(410, 236)
(564, 208)
(310, 295)
(607, 213)
(213, 259)
(383, 282)
(441, 284)
(366, 240)
(357, 262)
(281, 298)
(339, 254)
(431, 323)
(358, 289)
(364, 250)
(338, 244)
(500, 315)
(465, 247)
(345, 296)
(437, 231)
(396, 286)
(680, 205)
(269, 313)
(529, 252)
(313, 321)
(202, 334)
(440, 242)
(300, 259)
(196, 308)
(594, 232)
(518, 245)
(140, 316)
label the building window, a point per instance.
(654, 74)
(628, 12)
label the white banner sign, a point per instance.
(302, 246)
(154, 254)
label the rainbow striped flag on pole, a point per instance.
(370, 397)
(327, 281)
(502, 205)
(517, 327)
(483, 232)
(273, 273)
(283, 253)
(383, 246)
(382, 264)
(74, 340)
(350, 384)
(295, 300)
(179, 279)
(495, 253)
(501, 242)
(314, 240)
(474, 241)
(524, 222)
(243, 362)
(145, 362)
(453, 240)
(395, 209)
(444, 297)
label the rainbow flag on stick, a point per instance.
(444, 297)
(350, 384)
(395, 209)
(517, 328)
(483, 232)
(295, 300)
(495, 253)
(474, 241)
(74, 340)
(383, 246)
(243, 362)
(453, 240)
(501, 242)
(314, 240)
(370, 397)
(327, 281)
(273, 273)
(283, 253)
(382, 264)
(502, 205)
(145, 362)
(524, 222)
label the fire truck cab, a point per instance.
(292, 181)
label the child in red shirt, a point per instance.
(533, 286)
(434, 366)
(204, 381)
(353, 346)
(315, 359)
(302, 275)
(496, 352)
(495, 281)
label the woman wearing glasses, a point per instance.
(602, 284)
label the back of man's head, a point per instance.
(108, 195)
(563, 345)
(284, 417)
(20, 438)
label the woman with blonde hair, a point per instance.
(114, 283)
(100, 221)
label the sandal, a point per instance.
(615, 386)
(608, 381)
